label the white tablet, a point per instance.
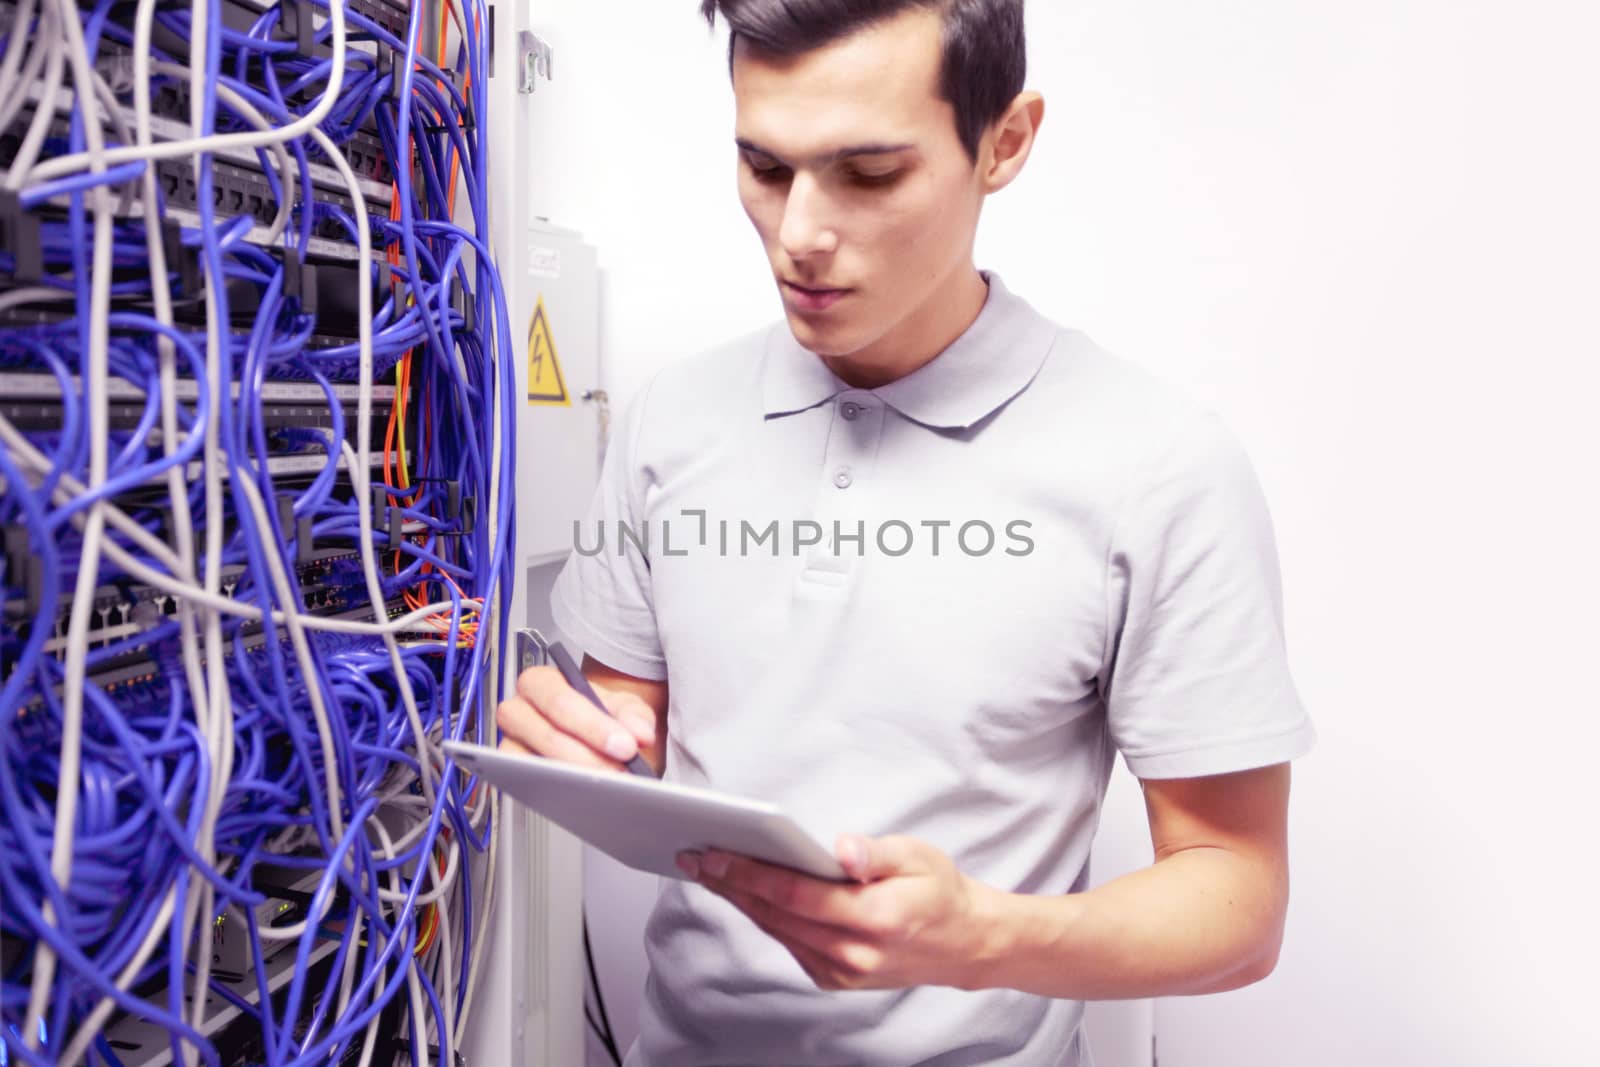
(645, 822)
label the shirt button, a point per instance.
(841, 477)
(850, 409)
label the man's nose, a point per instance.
(807, 230)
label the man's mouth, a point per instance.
(812, 297)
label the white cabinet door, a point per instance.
(553, 296)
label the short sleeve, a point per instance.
(602, 597)
(1195, 675)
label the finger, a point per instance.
(822, 971)
(631, 710)
(871, 859)
(830, 963)
(570, 712)
(854, 854)
(523, 725)
(817, 965)
(786, 890)
(820, 936)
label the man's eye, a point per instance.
(861, 177)
(768, 174)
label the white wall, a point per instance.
(1370, 233)
(640, 158)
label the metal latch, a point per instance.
(533, 59)
(532, 649)
(602, 401)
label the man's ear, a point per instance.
(1010, 140)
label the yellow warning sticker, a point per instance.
(545, 383)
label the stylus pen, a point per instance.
(569, 671)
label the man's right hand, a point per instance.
(548, 717)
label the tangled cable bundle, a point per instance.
(249, 588)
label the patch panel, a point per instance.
(169, 106)
(390, 16)
(138, 1043)
(240, 187)
(30, 386)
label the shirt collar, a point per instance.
(990, 363)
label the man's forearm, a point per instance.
(1203, 920)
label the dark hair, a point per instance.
(985, 50)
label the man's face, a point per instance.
(852, 171)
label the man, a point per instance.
(915, 565)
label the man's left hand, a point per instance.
(910, 918)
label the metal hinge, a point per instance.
(534, 56)
(599, 397)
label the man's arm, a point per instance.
(1205, 917)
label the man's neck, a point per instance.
(919, 337)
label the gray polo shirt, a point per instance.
(937, 608)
